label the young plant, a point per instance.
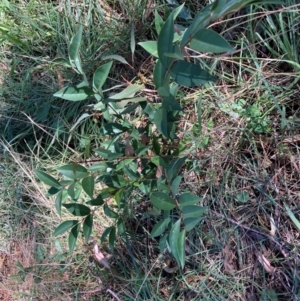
(128, 164)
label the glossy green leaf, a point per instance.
(163, 242)
(98, 201)
(105, 234)
(115, 181)
(107, 154)
(175, 185)
(128, 92)
(193, 211)
(160, 77)
(173, 240)
(191, 223)
(187, 199)
(58, 202)
(150, 47)
(101, 166)
(88, 227)
(73, 237)
(201, 20)
(75, 45)
(64, 226)
(207, 40)
(71, 190)
(124, 163)
(112, 129)
(73, 171)
(174, 167)
(53, 191)
(110, 213)
(112, 238)
(77, 209)
(170, 104)
(160, 227)
(47, 179)
(88, 185)
(165, 42)
(100, 76)
(161, 121)
(74, 93)
(181, 248)
(142, 150)
(188, 74)
(158, 21)
(130, 109)
(162, 201)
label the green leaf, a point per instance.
(71, 190)
(58, 202)
(61, 61)
(100, 76)
(193, 211)
(75, 45)
(170, 104)
(105, 234)
(165, 42)
(110, 213)
(53, 191)
(47, 179)
(142, 150)
(77, 209)
(201, 20)
(160, 77)
(175, 186)
(98, 201)
(64, 226)
(159, 22)
(150, 46)
(191, 223)
(160, 120)
(112, 238)
(107, 154)
(74, 93)
(88, 185)
(173, 168)
(113, 129)
(162, 201)
(130, 109)
(117, 58)
(173, 240)
(128, 92)
(73, 171)
(181, 248)
(79, 120)
(115, 181)
(207, 40)
(87, 227)
(188, 74)
(101, 166)
(187, 199)
(73, 237)
(292, 216)
(160, 227)
(163, 242)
